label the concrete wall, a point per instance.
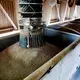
(50, 13)
(78, 9)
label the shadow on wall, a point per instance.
(76, 75)
(5, 42)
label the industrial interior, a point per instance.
(39, 39)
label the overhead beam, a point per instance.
(8, 17)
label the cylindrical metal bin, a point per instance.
(31, 34)
(24, 33)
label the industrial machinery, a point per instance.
(31, 34)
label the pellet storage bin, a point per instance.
(17, 63)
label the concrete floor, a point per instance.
(17, 63)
